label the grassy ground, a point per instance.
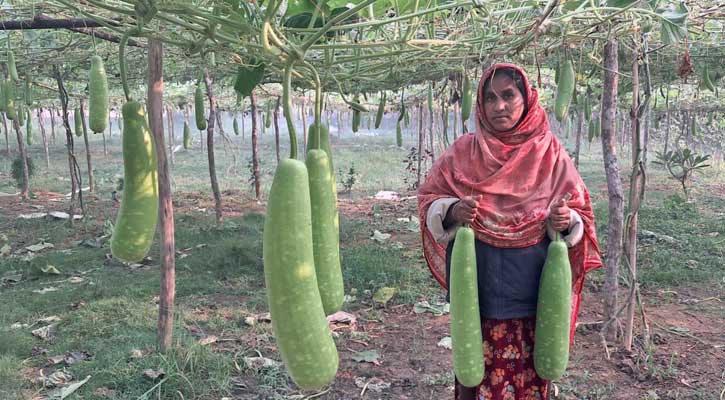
(107, 310)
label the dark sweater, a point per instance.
(508, 279)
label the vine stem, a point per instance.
(318, 100)
(287, 107)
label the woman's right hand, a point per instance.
(464, 212)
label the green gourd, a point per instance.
(98, 96)
(406, 118)
(695, 129)
(199, 108)
(298, 319)
(466, 336)
(587, 106)
(268, 117)
(564, 90)
(235, 125)
(325, 230)
(3, 94)
(187, 136)
(136, 220)
(430, 98)
(466, 99)
(553, 313)
(78, 122)
(12, 70)
(29, 130)
(21, 114)
(9, 91)
(381, 111)
(28, 91)
(398, 134)
(356, 116)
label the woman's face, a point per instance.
(503, 103)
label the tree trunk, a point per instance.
(75, 170)
(456, 112)
(578, 141)
(45, 138)
(88, 149)
(52, 124)
(667, 118)
(636, 190)
(276, 127)
(614, 187)
(210, 148)
(165, 325)
(431, 139)
(255, 150)
(25, 183)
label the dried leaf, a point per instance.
(32, 215)
(446, 343)
(379, 236)
(437, 309)
(208, 340)
(260, 362)
(76, 357)
(154, 374)
(66, 391)
(45, 290)
(75, 279)
(49, 320)
(45, 332)
(375, 384)
(50, 269)
(5, 250)
(40, 246)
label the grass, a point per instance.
(220, 278)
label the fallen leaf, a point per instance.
(260, 362)
(208, 340)
(32, 215)
(264, 317)
(105, 392)
(375, 384)
(66, 391)
(371, 356)
(679, 328)
(45, 332)
(154, 374)
(56, 360)
(75, 279)
(57, 378)
(5, 250)
(50, 269)
(379, 236)
(437, 309)
(40, 246)
(76, 357)
(18, 325)
(45, 290)
(384, 294)
(48, 320)
(39, 351)
(250, 321)
(446, 343)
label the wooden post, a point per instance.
(165, 325)
(45, 138)
(614, 188)
(88, 149)
(255, 150)
(52, 124)
(210, 148)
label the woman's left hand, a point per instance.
(559, 215)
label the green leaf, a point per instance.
(370, 356)
(248, 77)
(573, 5)
(674, 24)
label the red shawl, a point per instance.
(518, 174)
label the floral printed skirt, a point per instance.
(508, 352)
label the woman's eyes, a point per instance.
(506, 96)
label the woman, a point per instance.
(510, 182)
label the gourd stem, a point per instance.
(287, 107)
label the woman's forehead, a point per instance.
(499, 83)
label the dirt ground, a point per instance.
(686, 326)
